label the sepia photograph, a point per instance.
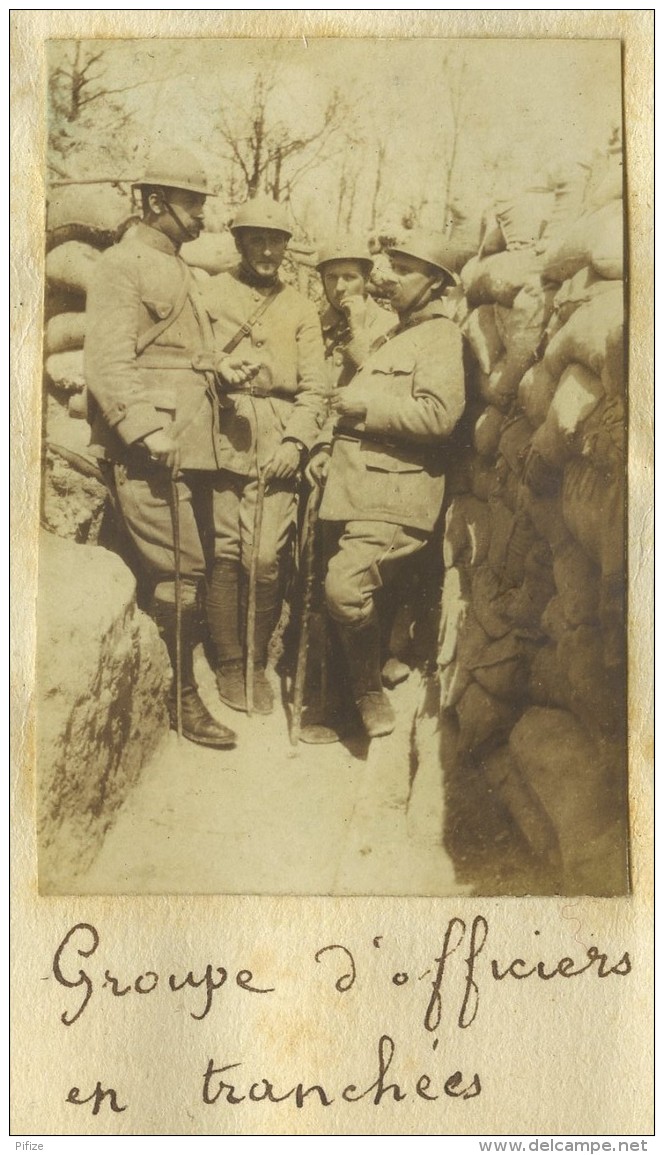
(332, 552)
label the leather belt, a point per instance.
(423, 452)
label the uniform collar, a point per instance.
(427, 313)
(155, 239)
(247, 277)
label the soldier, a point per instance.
(352, 321)
(384, 464)
(151, 412)
(266, 430)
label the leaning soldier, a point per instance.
(384, 463)
(266, 431)
(151, 412)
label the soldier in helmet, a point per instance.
(265, 429)
(384, 457)
(352, 321)
(150, 409)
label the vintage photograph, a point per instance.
(332, 571)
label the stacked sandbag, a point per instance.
(532, 641)
(82, 220)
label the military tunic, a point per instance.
(138, 285)
(284, 403)
(346, 351)
(386, 479)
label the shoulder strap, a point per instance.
(155, 331)
(246, 328)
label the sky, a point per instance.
(527, 106)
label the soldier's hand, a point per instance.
(237, 370)
(284, 464)
(163, 449)
(319, 467)
(348, 407)
(355, 308)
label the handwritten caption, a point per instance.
(452, 989)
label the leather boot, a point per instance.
(198, 725)
(266, 613)
(223, 615)
(362, 649)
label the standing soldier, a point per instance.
(352, 321)
(151, 413)
(265, 431)
(385, 460)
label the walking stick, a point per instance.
(251, 598)
(303, 645)
(175, 517)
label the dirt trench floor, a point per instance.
(265, 818)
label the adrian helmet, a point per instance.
(175, 168)
(262, 212)
(348, 249)
(432, 248)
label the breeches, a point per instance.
(362, 561)
(145, 500)
(234, 509)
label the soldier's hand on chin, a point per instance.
(319, 466)
(348, 407)
(237, 370)
(284, 464)
(355, 308)
(163, 450)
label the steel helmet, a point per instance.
(432, 248)
(262, 212)
(345, 250)
(175, 168)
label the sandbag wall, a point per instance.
(532, 642)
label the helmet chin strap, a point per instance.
(418, 299)
(186, 233)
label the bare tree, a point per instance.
(265, 153)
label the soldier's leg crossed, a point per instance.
(367, 554)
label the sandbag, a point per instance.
(486, 434)
(577, 582)
(502, 667)
(492, 239)
(594, 513)
(467, 531)
(605, 240)
(453, 679)
(483, 337)
(483, 719)
(595, 697)
(489, 602)
(71, 266)
(577, 395)
(498, 279)
(535, 393)
(65, 331)
(583, 287)
(547, 686)
(525, 604)
(522, 219)
(213, 252)
(595, 239)
(95, 214)
(502, 774)
(521, 327)
(482, 478)
(562, 764)
(515, 438)
(546, 515)
(604, 436)
(554, 622)
(66, 370)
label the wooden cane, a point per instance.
(303, 645)
(251, 597)
(175, 517)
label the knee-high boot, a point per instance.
(362, 649)
(224, 623)
(198, 725)
(267, 608)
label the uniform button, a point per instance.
(121, 407)
(258, 342)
